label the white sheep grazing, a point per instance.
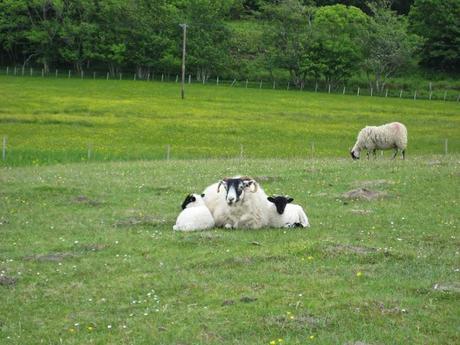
(372, 138)
(195, 215)
(286, 215)
(237, 202)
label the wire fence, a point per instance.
(14, 154)
(320, 86)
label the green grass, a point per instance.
(364, 271)
(51, 121)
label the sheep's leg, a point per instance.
(395, 154)
(403, 154)
(374, 152)
(367, 154)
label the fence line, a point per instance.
(313, 86)
(91, 153)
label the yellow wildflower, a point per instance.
(359, 274)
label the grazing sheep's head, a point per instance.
(280, 202)
(191, 198)
(354, 154)
(236, 187)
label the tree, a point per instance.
(341, 33)
(389, 46)
(290, 39)
(438, 22)
(207, 36)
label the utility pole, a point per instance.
(184, 40)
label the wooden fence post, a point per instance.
(68, 76)
(386, 95)
(357, 94)
(168, 152)
(343, 92)
(445, 95)
(329, 88)
(4, 147)
(260, 85)
(400, 94)
(189, 78)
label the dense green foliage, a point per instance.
(50, 120)
(438, 22)
(88, 256)
(307, 40)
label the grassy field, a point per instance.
(56, 120)
(88, 255)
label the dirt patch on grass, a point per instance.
(84, 200)
(348, 248)
(247, 299)
(372, 183)
(228, 302)
(91, 247)
(267, 178)
(296, 322)
(52, 257)
(447, 287)
(7, 281)
(364, 194)
(361, 212)
(138, 221)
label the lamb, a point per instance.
(195, 215)
(286, 215)
(237, 202)
(389, 136)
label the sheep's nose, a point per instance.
(230, 200)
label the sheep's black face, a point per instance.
(188, 199)
(235, 190)
(236, 187)
(352, 153)
(280, 202)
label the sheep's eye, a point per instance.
(193, 199)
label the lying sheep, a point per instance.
(195, 215)
(286, 215)
(372, 138)
(237, 202)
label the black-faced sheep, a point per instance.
(286, 215)
(237, 202)
(195, 215)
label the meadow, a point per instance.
(87, 251)
(88, 255)
(51, 120)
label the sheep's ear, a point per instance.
(221, 182)
(251, 183)
(271, 199)
(202, 195)
(289, 200)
